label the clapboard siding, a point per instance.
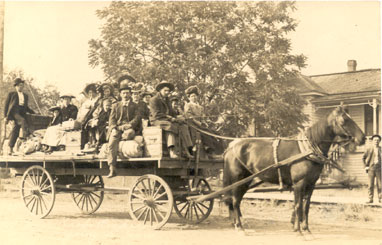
(320, 113)
(353, 165)
(357, 113)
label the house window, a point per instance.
(369, 120)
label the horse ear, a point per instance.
(338, 110)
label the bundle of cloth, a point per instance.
(126, 148)
(32, 143)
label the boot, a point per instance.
(112, 172)
(172, 153)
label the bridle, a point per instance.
(345, 133)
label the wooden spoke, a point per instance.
(89, 201)
(139, 197)
(136, 210)
(153, 196)
(161, 195)
(143, 211)
(193, 212)
(38, 191)
(159, 212)
(157, 191)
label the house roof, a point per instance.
(349, 82)
(358, 96)
(305, 84)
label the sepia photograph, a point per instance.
(190, 122)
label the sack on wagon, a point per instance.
(126, 149)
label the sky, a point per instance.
(49, 40)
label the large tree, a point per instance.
(237, 53)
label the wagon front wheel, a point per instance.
(88, 201)
(38, 191)
(150, 201)
(195, 212)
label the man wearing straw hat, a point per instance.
(15, 109)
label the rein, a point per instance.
(317, 153)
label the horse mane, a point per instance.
(319, 130)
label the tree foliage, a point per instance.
(237, 53)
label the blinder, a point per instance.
(339, 123)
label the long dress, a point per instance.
(54, 135)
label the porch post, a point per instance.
(374, 105)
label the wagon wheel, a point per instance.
(150, 201)
(195, 212)
(89, 201)
(38, 191)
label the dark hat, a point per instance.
(17, 81)
(376, 136)
(126, 77)
(124, 86)
(165, 84)
(89, 87)
(67, 96)
(54, 108)
(192, 90)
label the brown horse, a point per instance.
(245, 157)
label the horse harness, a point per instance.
(305, 145)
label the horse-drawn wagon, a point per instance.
(166, 183)
(163, 183)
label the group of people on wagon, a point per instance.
(109, 115)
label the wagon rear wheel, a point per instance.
(90, 200)
(195, 212)
(150, 201)
(38, 191)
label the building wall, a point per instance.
(357, 113)
(353, 165)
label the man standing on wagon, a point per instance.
(124, 119)
(16, 107)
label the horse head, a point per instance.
(344, 126)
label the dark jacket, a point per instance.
(145, 110)
(160, 109)
(56, 120)
(103, 119)
(117, 117)
(368, 157)
(69, 112)
(11, 105)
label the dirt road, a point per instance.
(266, 224)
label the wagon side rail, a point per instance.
(201, 198)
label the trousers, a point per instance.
(113, 145)
(374, 173)
(20, 122)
